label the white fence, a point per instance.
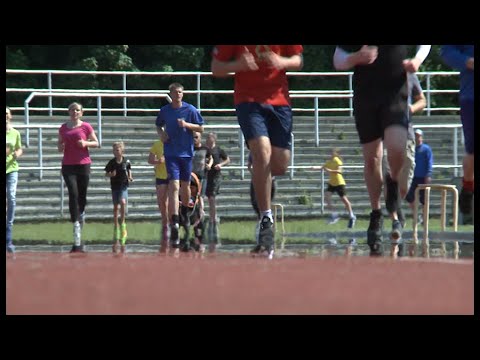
(50, 91)
(425, 77)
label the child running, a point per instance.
(119, 171)
(336, 184)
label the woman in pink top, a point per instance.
(74, 138)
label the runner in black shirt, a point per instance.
(380, 105)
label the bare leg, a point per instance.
(173, 202)
(395, 142)
(262, 179)
(372, 156)
(347, 204)
(122, 210)
(328, 198)
(162, 201)
(185, 192)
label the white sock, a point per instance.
(268, 213)
(77, 233)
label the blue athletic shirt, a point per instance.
(180, 142)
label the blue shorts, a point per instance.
(179, 168)
(118, 195)
(274, 122)
(467, 114)
(161, 181)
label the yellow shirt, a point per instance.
(160, 169)
(335, 178)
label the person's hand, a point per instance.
(317, 167)
(366, 55)
(411, 65)
(8, 150)
(82, 143)
(428, 180)
(181, 122)
(208, 167)
(113, 173)
(246, 61)
(273, 60)
(130, 179)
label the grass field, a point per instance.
(233, 232)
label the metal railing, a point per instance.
(114, 94)
(199, 92)
(98, 95)
(242, 167)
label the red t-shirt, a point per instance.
(267, 85)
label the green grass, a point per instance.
(233, 232)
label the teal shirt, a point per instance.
(14, 142)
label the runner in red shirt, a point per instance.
(264, 114)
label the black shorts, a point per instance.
(339, 189)
(373, 115)
(213, 186)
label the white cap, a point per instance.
(419, 132)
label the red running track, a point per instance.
(99, 283)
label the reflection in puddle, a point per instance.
(328, 248)
(334, 247)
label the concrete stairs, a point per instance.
(41, 200)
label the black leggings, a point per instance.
(76, 178)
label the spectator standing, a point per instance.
(423, 168)
(416, 104)
(214, 179)
(202, 158)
